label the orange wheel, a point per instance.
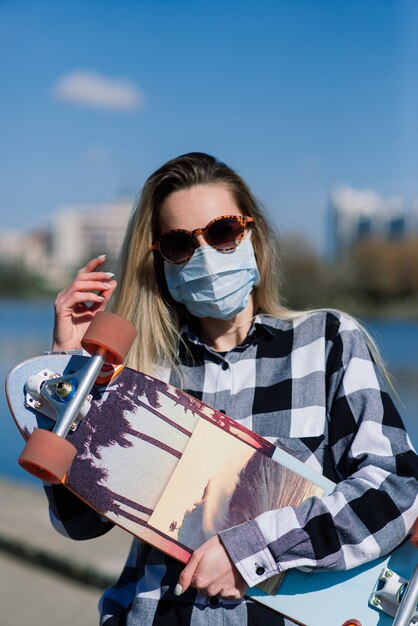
(112, 333)
(47, 456)
(414, 537)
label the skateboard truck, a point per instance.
(62, 389)
(397, 597)
(48, 455)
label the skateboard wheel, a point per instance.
(112, 333)
(47, 456)
(414, 536)
(352, 622)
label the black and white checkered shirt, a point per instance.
(311, 386)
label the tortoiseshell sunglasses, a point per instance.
(224, 233)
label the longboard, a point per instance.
(143, 441)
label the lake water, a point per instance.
(25, 331)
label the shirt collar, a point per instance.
(259, 327)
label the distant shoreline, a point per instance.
(396, 311)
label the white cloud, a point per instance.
(93, 90)
(363, 201)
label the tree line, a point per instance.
(378, 277)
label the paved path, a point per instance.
(30, 596)
(39, 568)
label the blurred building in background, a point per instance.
(370, 233)
(74, 235)
(27, 250)
(356, 216)
(78, 233)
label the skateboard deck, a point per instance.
(173, 471)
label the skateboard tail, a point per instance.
(47, 455)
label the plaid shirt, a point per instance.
(311, 386)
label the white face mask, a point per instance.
(212, 283)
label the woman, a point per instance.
(198, 277)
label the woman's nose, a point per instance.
(201, 240)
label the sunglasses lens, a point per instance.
(225, 234)
(177, 246)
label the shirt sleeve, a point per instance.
(374, 505)
(73, 518)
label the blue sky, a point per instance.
(297, 95)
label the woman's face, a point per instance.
(195, 207)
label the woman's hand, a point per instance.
(211, 571)
(72, 316)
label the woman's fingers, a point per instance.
(81, 298)
(92, 265)
(102, 276)
(83, 291)
(186, 576)
(211, 571)
(89, 285)
(103, 299)
(76, 305)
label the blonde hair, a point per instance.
(142, 296)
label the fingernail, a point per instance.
(110, 274)
(102, 256)
(101, 298)
(178, 590)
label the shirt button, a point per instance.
(260, 570)
(214, 600)
(225, 365)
